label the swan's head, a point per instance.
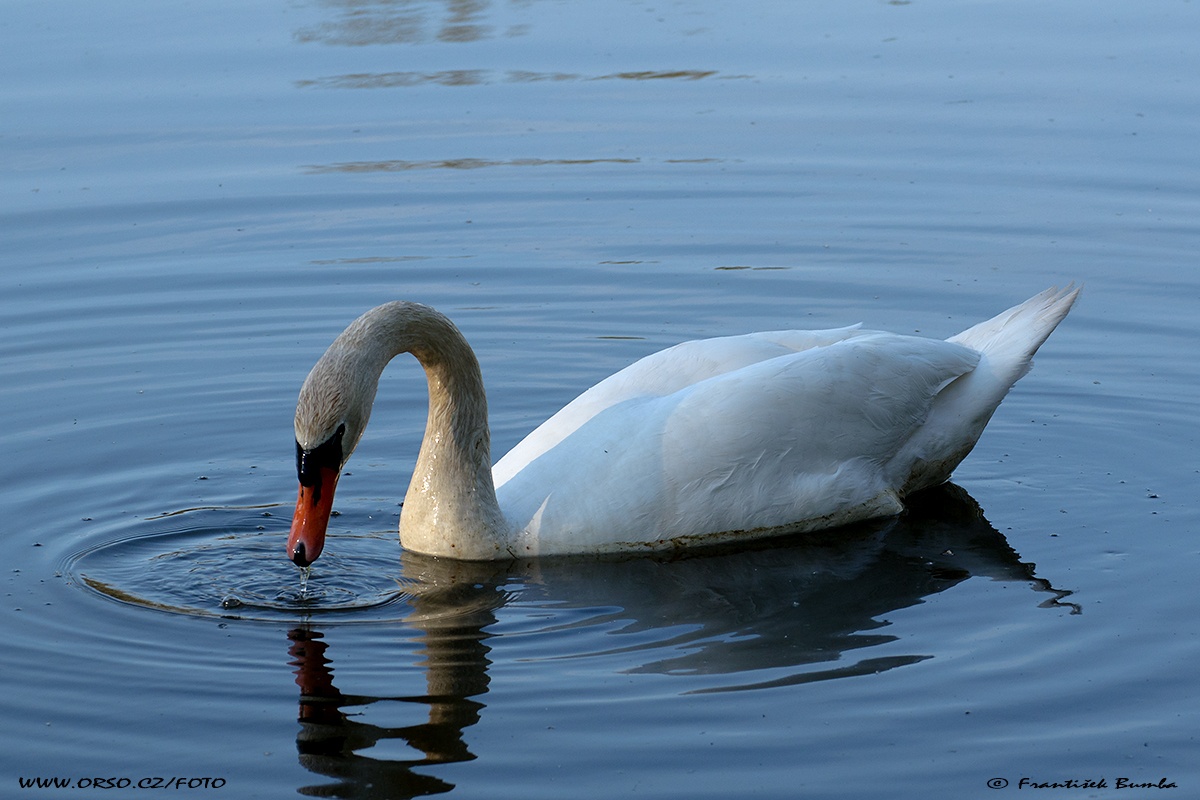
(331, 413)
(318, 469)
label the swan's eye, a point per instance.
(327, 455)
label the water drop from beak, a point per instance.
(304, 573)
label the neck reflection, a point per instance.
(334, 743)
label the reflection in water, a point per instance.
(773, 615)
(481, 163)
(367, 22)
(482, 77)
(457, 164)
(331, 742)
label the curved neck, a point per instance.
(450, 507)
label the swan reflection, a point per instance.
(331, 741)
(808, 609)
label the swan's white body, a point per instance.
(708, 441)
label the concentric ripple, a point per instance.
(235, 571)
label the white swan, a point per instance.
(709, 441)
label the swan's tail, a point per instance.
(1009, 340)
(1006, 344)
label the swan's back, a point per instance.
(752, 435)
(661, 374)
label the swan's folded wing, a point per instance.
(798, 438)
(804, 437)
(661, 374)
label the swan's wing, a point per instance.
(807, 436)
(661, 374)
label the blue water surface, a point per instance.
(195, 198)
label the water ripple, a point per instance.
(212, 571)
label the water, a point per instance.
(194, 200)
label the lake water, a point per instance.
(195, 198)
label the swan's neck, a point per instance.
(450, 508)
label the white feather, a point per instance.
(708, 441)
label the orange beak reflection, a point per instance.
(313, 508)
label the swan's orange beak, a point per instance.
(318, 469)
(313, 508)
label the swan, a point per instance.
(709, 441)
